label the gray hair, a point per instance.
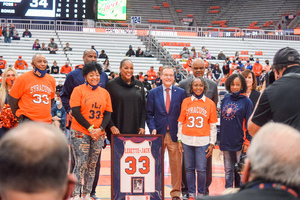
(274, 154)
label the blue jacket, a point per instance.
(157, 116)
(235, 111)
(74, 79)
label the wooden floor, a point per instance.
(103, 190)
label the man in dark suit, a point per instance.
(163, 110)
(198, 68)
(272, 166)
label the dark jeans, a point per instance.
(184, 187)
(231, 174)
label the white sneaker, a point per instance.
(77, 197)
(87, 197)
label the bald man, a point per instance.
(198, 68)
(34, 164)
(272, 167)
(74, 79)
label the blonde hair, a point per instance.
(3, 88)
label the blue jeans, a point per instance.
(7, 40)
(230, 158)
(194, 159)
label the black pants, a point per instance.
(97, 172)
(184, 188)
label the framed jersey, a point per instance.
(137, 170)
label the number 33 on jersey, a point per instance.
(137, 161)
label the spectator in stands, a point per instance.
(240, 63)
(147, 85)
(130, 52)
(54, 68)
(217, 73)
(148, 53)
(52, 46)
(233, 66)
(106, 65)
(39, 156)
(194, 53)
(33, 93)
(237, 70)
(103, 55)
(20, 64)
(251, 92)
(251, 58)
(67, 47)
(226, 66)
(15, 33)
(221, 55)
(36, 45)
(267, 67)
(3, 63)
(185, 54)
(59, 87)
(26, 33)
(7, 33)
(8, 78)
(206, 63)
(140, 77)
(209, 75)
(43, 47)
(236, 109)
(208, 56)
(66, 69)
(257, 69)
(139, 52)
(59, 114)
(93, 47)
(158, 80)
(160, 68)
(248, 65)
(236, 56)
(178, 76)
(48, 68)
(151, 75)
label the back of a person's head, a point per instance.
(34, 159)
(274, 154)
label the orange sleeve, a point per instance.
(213, 113)
(16, 65)
(108, 100)
(26, 64)
(17, 88)
(75, 99)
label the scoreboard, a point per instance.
(56, 9)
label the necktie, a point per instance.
(168, 100)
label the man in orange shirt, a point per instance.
(20, 63)
(3, 63)
(151, 74)
(32, 95)
(257, 69)
(65, 69)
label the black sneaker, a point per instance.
(185, 196)
(93, 196)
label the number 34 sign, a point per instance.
(137, 167)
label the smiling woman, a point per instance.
(128, 102)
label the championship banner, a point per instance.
(137, 167)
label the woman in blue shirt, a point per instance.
(236, 109)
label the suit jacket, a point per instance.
(211, 93)
(157, 116)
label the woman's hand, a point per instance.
(209, 150)
(97, 133)
(180, 148)
(142, 131)
(114, 130)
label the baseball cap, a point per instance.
(286, 55)
(20, 56)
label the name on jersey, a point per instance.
(197, 110)
(137, 150)
(40, 88)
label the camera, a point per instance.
(269, 78)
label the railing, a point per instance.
(151, 29)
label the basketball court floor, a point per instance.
(103, 190)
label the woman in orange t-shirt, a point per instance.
(197, 133)
(91, 108)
